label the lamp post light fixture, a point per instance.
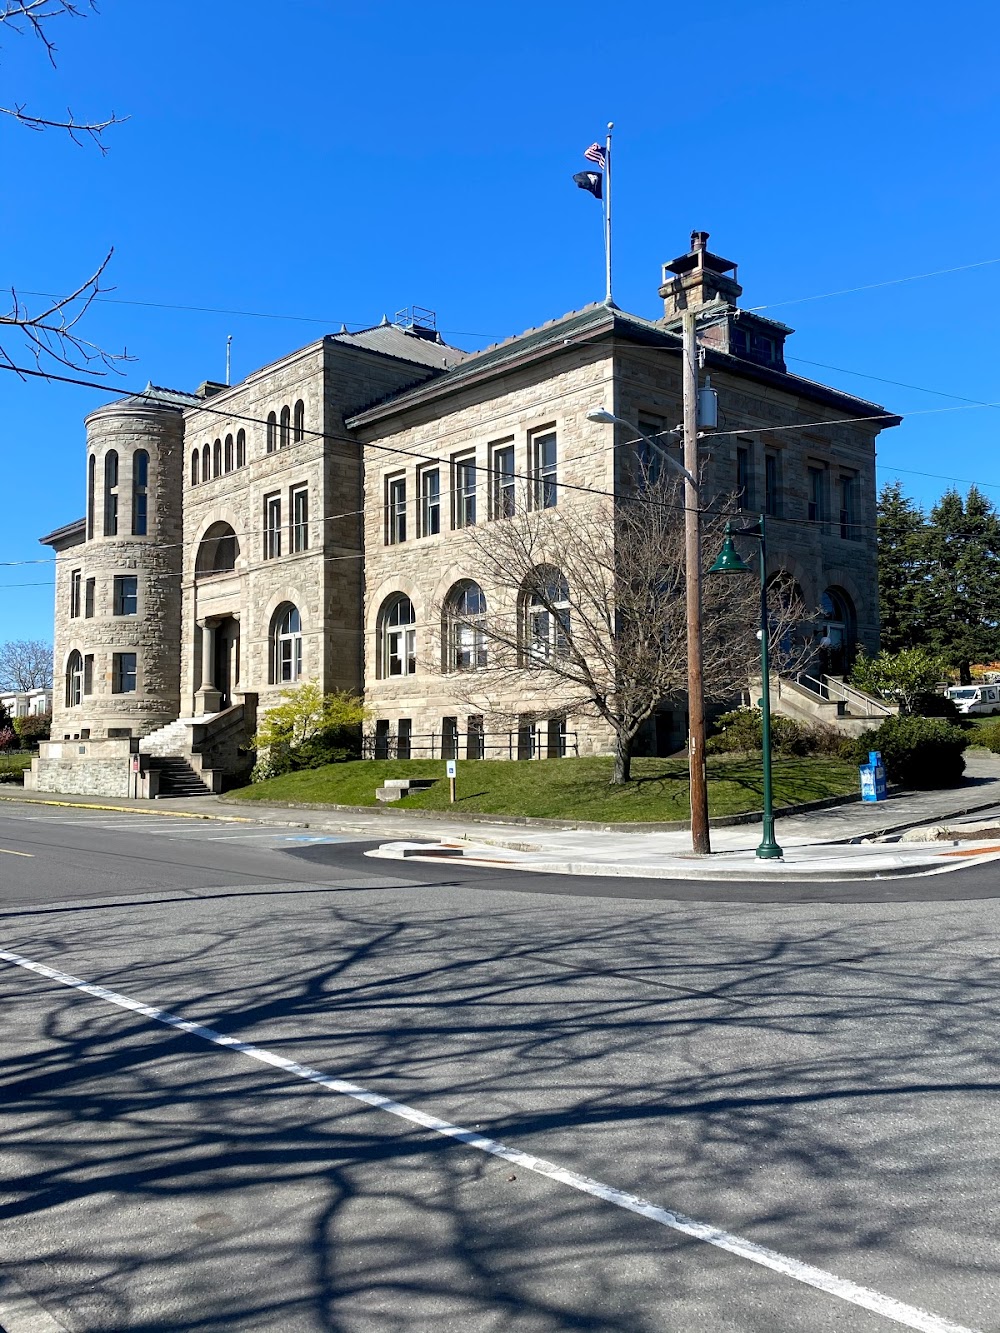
(700, 833)
(729, 561)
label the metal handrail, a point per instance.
(839, 691)
(518, 744)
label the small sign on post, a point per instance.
(451, 767)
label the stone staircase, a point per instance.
(171, 754)
(176, 776)
(827, 700)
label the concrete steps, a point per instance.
(177, 777)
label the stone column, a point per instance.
(208, 699)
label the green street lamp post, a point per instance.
(729, 561)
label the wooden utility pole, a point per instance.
(692, 572)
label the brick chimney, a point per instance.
(696, 278)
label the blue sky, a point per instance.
(335, 161)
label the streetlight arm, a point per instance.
(608, 418)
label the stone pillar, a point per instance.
(208, 698)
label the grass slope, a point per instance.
(565, 788)
(12, 766)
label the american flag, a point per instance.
(595, 153)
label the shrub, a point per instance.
(33, 728)
(742, 730)
(907, 677)
(989, 736)
(916, 751)
(307, 730)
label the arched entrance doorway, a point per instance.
(227, 659)
(838, 632)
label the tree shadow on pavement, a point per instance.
(795, 1075)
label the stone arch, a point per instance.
(218, 551)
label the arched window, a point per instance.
(286, 644)
(284, 436)
(140, 493)
(195, 466)
(206, 463)
(229, 453)
(217, 458)
(218, 551)
(397, 637)
(272, 432)
(465, 635)
(299, 422)
(546, 614)
(91, 488)
(74, 679)
(111, 493)
(241, 448)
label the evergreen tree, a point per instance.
(901, 568)
(959, 601)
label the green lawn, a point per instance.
(565, 788)
(12, 766)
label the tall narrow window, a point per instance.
(88, 674)
(543, 449)
(89, 598)
(195, 466)
(475, 737)
(91, 488)
(449, 738)
(272, 432)
(404, 738)
(74, 679)
(126, 595)
(464, 492)
(75, 587)
(241, 448)
(272, 526)
(398, 638)
(817, 508)
(744, 478)
(300, 518)
(395, 510)
(503, 481)
(206, 463)
(848, 524)
(217, 459)
(548, 615)
(465, 615)
(123, 673)
(140, 493)
(556, 738)
(299, 422)
(430, 502)
(229, 453)
(111, 493)
(285, 431)
(286, 641)
(649, 450)
(772, 499)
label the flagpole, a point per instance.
(607, 214)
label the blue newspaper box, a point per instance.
(873, 778)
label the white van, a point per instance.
(975, 698)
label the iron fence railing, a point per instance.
(523, 743)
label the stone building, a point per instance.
(308, 523)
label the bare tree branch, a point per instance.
(586, 613)
(50, 334)
(25, 664)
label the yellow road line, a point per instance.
(5, 851)
(131, 810)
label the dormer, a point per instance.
(701, 278)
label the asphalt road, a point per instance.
(817, 1076)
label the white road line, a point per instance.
(910, 1316)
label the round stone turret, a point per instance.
(120, 627)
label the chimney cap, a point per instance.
(699, 256)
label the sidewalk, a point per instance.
(823, 844)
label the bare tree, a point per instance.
(585, 613)
(25, 664)
(50, 334)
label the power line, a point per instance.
(872, 286)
